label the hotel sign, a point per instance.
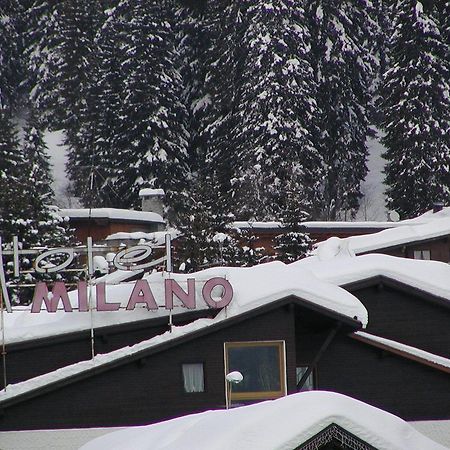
(132, 259)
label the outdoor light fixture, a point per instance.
(234, 377)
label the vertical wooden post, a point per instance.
(3, 340)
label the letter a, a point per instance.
(142, 294)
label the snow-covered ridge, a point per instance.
(280, 424)
(111, 213)
(337, 266)
(407, 233)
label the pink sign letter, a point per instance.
(187, 298)
(101, 299)
(227, 292)
(51, 300)
(142, 294)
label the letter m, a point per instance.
(51, 301)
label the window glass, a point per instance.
(262, 366)
(193, 377)
(309, 383)
(422, 254)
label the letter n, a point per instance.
(187, 298)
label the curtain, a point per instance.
(193, 377)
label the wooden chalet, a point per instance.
(289, 328)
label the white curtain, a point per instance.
(193, 377)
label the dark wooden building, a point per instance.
(294, 341)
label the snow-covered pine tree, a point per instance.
(294, 243)
(223, 27)
(12, 197)
(152, 139)
(47, 227)
(343, 33)
(91, 168)
(206, 238)
(62, 58)
(415, 103)
(192, 44)
(10, 58)
(273, 139)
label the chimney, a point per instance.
(437, 206)
(152, 200)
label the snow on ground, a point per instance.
(280, 424)
(373, 203)
(58, 159)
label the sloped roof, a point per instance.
(407, 351)
(253, 287)
(282, 424)
(407, 234)
(336, 264)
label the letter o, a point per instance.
(226, 297)
(62, 266)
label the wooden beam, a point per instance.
(319, 354)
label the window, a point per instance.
(193, 377)
(309, 383)
(422, 254)
(263, 366)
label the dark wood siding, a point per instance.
(405, 388)
(150, 389)
(30, 359)
(407, 317)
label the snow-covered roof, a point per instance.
(405, 234)
(253, 287)
(347, 224)
(336, 265)
(256, 225)
(281, 424)
(148, 192)
(111, 214)
(406, 350)
(156, 238)
(317, 224)
(430, 215)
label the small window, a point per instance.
(193, 377)
(422, 254)
(309, 383)
(263, 367)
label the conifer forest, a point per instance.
(239, 109)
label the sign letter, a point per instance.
(101, 299)
(187, 298)
(226, 296)
(51, 301)
(142, 294)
